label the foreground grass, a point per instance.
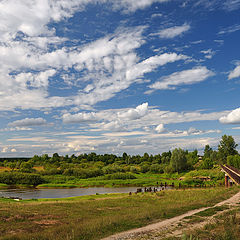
(94, 217)
(223, 227)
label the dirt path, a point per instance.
(167, 224)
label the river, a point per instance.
(33, 193)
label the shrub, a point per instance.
(156, 168)
(119, 176)
(12, 178)
(83, 173)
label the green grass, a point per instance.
(94, 217)
(142, 180)
(225, 227)
(211, 211)
(2, 185)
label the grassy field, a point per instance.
(94, 217)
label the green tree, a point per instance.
(178, 160)
(226, 148)
(192, 159)
(166, 157)
(207, 163)
(207, 151)
(26, 167)
(12, 165)
(234, 161)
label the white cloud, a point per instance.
(145, 119)
(112, 126)
(13, 129)
(133, 5)
(173, 32)
(133, 114)
(152, 63)
(231, 29)
(208, 53)
(228, 5)
(231, 5)
(8, 150)
(28, 122)
(192, 76)
(232, 118)
(235, 73)
(80, 117)
(160, 128)
(28, 65)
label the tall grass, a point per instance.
(224, 227)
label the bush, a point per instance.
(156, 168)
(12, 178)
(51, 171)
(119, 176)
(193, 182)
(234, 161)
(207, 163)
(112, 169)
(83, 173)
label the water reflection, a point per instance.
(61, 193)
(33, 193)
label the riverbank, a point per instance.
(98, 216)
(208, 178)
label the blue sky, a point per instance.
(114, 76)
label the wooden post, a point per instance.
(226, 181)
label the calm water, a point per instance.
(62, 193)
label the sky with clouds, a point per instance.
(114, 76)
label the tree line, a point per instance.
(93, 165)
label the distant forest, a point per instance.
(92, 164)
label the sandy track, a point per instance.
(168, 223)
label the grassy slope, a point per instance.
(93, 217)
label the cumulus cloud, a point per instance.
(186, 77)
(8, 149)
(232, 118)
(133, 114)
(173, 32)
(235, 73)
(29, 65)
(79, 117)
(144, 117)
(160, 128)
(28, 122)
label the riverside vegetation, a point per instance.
(85, 170)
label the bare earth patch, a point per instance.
(46, 222)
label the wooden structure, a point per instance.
(232, 175)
